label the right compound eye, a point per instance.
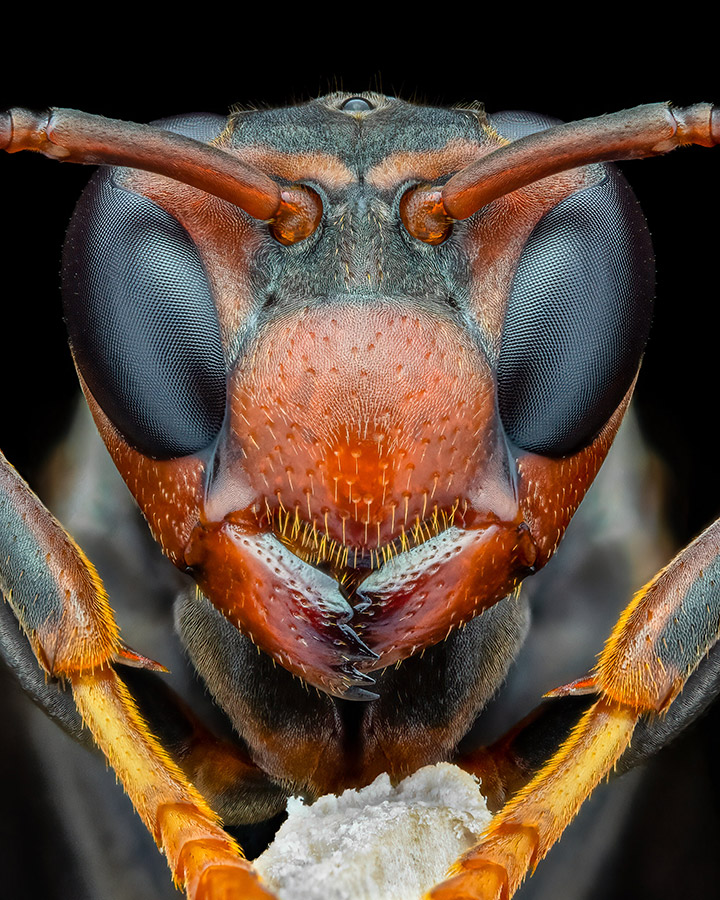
(577, 319)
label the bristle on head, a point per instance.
(362, 432)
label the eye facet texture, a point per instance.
(142, 322)
(578, 316)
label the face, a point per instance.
(358, 440)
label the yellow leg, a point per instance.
(204, 860)
(527, 827)
(659, 640)
(62, 607)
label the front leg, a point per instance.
(660, 639)
(59, 601)
(204, 860)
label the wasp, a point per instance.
(358, 362)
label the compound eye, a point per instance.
(577, 319)
(515, 123)
(142, 322)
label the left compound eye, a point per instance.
(141, 316)
(142, 322)
(577, 319)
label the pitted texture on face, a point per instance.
(358, 378)
(362, 423)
